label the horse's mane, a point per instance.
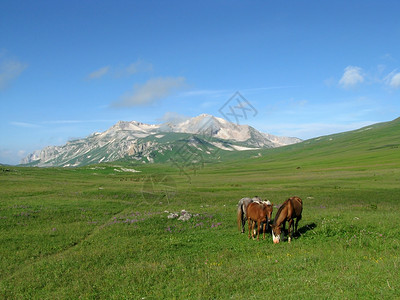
(280, 210)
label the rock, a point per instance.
(182, 216)
(173, 216)
(185, 215)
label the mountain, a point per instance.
(204, 137)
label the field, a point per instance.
(103, 232)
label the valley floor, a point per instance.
(100, 232)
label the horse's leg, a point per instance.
(252, 228)
(264, 230)
(289, 232)
(258, 230)
(240, 218)
(249, 223)
(284, 227)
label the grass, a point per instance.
(97, 232)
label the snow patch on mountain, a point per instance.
(221, 146)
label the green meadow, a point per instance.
(103, 232)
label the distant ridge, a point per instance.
(204, 135)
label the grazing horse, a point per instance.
(291, 209)
(259, 212)
(242, 211)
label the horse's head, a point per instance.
(268, 208)
(276, 233)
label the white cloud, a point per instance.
(395, 81)
(136, 67)
(21, 153)
(208, 93)
(266, 88)
(173, 117)
(352, 76)
(8, 156)
(388, 56)
(10, 69)
(99, 73)
(151, 91)
(25, 125)
(122, 71)
(228, 93)
(77, 121)
(11, 156)
(392, 79)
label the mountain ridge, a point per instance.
(156, 143)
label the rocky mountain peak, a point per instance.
(143, 141)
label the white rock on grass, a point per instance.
(173, 216)
(182, 216)
(185, 215)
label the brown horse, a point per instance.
(291, 209)
(259, 212)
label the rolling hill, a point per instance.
(378, 143)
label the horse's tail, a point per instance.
(240, 215)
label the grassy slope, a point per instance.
(90, 232)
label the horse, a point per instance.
(242, 210)
(259, 212)
(291, 209)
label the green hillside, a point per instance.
(103, 232)
(376, 144)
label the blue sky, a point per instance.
(309, 68)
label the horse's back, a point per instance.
(252, 209)
(245, 201)
(256, 210)
(297, 204)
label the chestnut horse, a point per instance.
(259, 212)
(291, 209)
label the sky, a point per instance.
(305, 68)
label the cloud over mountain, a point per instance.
(151, 91)
(173, 117)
